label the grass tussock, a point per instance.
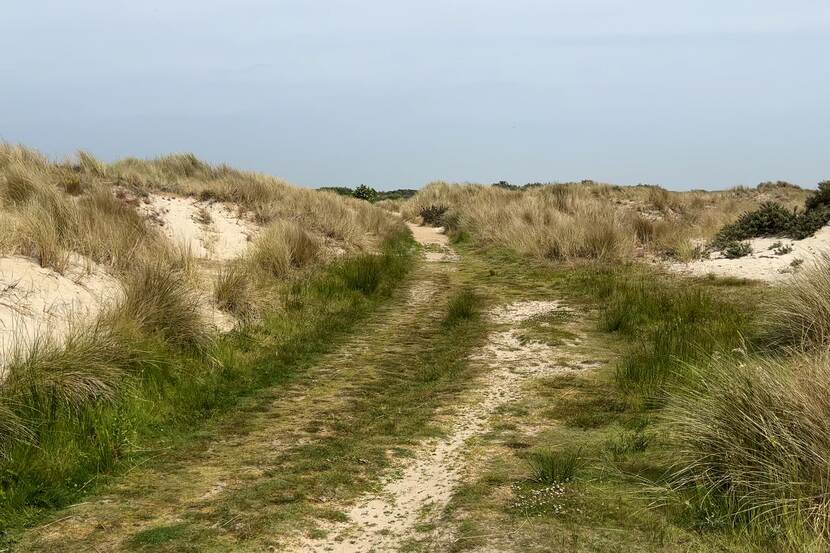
(753, 439)
(799, 314)
(283, 246)
(159, 301)
(553, 466)
(463, 306)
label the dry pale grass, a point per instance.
(799, 315)
(593, 220)
(281, 247)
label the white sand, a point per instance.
(224, 237)
(763, 263)
(37, 302)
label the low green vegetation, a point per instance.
(147, 374)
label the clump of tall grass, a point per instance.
(799, 313)
(159, 301)
(84, 369)
(234, 290)
(553, 466)
(753, 437)
(283, 246)
(463, 306)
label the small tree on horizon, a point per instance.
(364, 192)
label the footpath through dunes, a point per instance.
(280, 463)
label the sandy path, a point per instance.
(200, 485)
(420, 489)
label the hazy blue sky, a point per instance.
(706, 93)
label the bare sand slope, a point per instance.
(37, 303)
(763, 263)
(210, 230)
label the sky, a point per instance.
(395, 94)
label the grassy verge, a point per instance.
(584, 462)
(68, 432)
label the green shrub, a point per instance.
(821, 198)
(806, 224)
(364, 192)
(771, 219)
(433, 214)
(735, 249)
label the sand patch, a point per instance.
(39, 302)
(763, 263)
(428, 235)
(423, 485)
(210, 230)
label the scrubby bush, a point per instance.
(364, 192)
(820, 199)
(771, 219)
(433, 214)
(736, 249)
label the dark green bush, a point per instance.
(433, 215)
(364, 192)
(807, 224)
(821, 199)
(771, 219)
(735, 249)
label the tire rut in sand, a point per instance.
(422, 487)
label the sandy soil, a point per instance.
(428, 235)
(422, 486)
(37, 302)
(211, 230)
(763, 263)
